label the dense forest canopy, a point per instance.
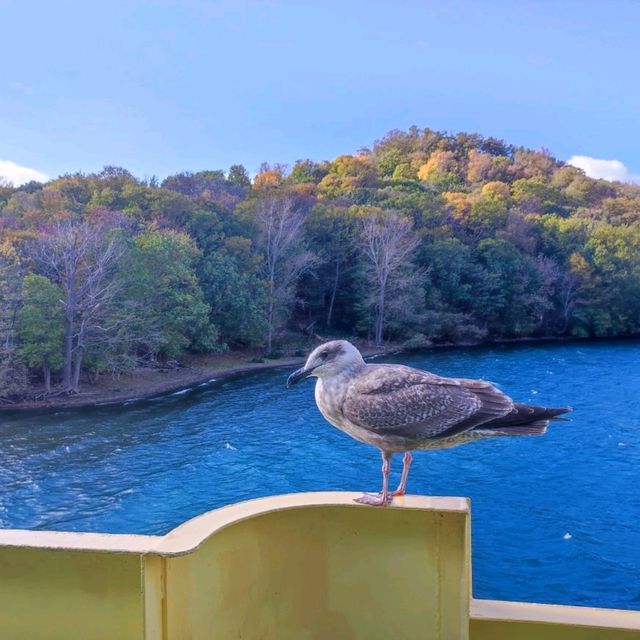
(427, 237)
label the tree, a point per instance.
(389, 161)
(387, 240)
(81, 258)
(269, 176)
(194, 184)
(285, 257)
(305, 171)
(358, 170)
(235, 292)
(41, 325)
(558, 294)
(507, 296)
(404, 171)
(238, 176)
(331, 232)
(615, 264)
(513, 243)
(479, 166)
(529, 164)
(169, 314)
(440, 169)
(12, 372)
(449, 262)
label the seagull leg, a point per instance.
(384, 497)
(406, 464)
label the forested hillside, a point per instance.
(426, 237)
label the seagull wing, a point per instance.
(395, 400)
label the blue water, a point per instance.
(555, 519)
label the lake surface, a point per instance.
(555, 519)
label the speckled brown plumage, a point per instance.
(400, 409)
(404, 402)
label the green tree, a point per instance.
(308, 171)
(512, 243)
(389, 161)
(331, 231)
(449, 265)
(235, 292)
(614, 255)
(168, 314)
(404, 171)
(506, 295)
(12, 373)
(41, 326)
(238, 175)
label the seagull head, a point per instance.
(334, 358)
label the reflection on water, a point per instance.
(555, 519)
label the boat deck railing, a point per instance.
(301, 566)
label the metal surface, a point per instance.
(496, 620)
(301, 566)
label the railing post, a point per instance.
(154, 596)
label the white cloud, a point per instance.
(17, 174)
(604, 169)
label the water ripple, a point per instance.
(148, 466)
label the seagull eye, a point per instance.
(324, 355)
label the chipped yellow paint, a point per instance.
(300, 567)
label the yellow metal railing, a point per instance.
(302, 566)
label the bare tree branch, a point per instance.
(285, 259)
(387, 240)
(81, 258)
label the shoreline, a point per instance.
(145, 384)
(179, 379)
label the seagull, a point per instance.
(398, 409)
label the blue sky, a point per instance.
(168, 86)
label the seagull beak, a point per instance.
(298, 375)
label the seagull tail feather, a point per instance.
(524, 420)
(535, 428)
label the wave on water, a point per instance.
(183, 391)
(154, 464)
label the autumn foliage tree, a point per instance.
(425, 237)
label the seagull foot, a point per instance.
(375, 500)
